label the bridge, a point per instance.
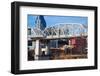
(61, 30)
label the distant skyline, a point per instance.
(52, 20)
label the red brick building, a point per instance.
(79, 43)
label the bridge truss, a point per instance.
(61, 30)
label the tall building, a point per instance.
(40, 22)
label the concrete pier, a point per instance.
(37, 50)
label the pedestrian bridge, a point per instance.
(61, 30)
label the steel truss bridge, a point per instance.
(61, 30)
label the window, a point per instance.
(29, 31)
(29, 43)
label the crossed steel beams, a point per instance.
(60, 30)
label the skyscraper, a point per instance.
(40, 22)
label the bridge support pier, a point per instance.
(56, 43)
(47, 48)
(37, 50)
